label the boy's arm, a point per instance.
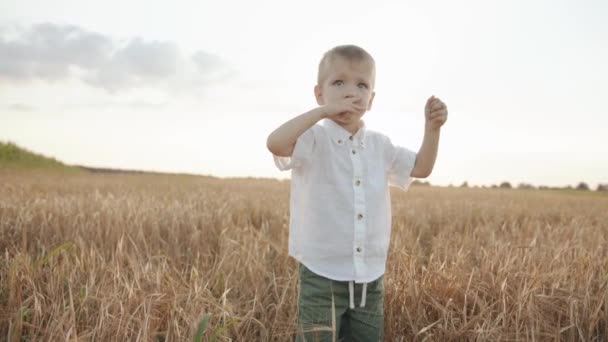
(426, 156)
(282, 140)
(436, 114)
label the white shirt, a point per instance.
(340, 213)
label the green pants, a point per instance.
(318, 297)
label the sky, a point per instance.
(197, 86)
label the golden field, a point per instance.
(138, 257)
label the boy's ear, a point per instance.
(371, 100)
(319, 96)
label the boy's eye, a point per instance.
(360, 85)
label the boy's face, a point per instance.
(342, 79)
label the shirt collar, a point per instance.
(340, 135)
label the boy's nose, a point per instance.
(349, 94)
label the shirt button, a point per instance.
(354, 152)
(350, 138)
(360, 216)
(359, 249)
(358, 182)
(339, 141)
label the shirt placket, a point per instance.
(359, 210)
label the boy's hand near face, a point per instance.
(435, 112)
(339, 110)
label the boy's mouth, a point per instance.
(347, 114)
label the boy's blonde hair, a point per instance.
(352, 53)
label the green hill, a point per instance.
(13, 156)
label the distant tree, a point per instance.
(602, 187)
(582, 186)
(465, 185)
(419, 183)
(505, 185)
(525, 186)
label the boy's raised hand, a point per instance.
(338, 110)
(435, 112)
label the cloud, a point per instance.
(134, 104)
(136, 64)
(52, 53)
(19, 107)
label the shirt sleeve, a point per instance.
(302, 152)
(400, 162)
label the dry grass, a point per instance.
(145, 258)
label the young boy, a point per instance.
(340, 214)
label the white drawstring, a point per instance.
(363, 295)
(351, 294)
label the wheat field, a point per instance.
(138, 257)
